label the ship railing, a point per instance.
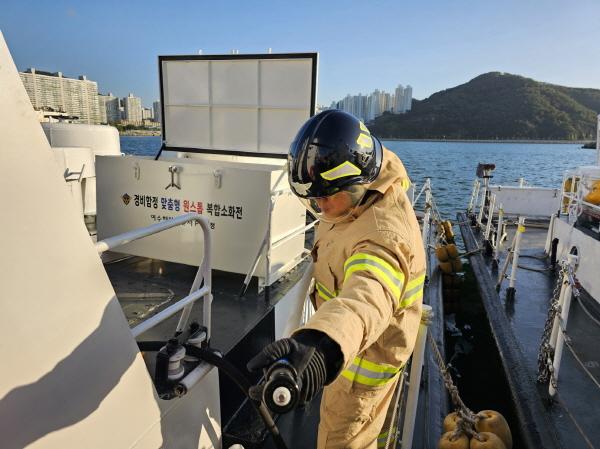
(572, 203)
(203, 275)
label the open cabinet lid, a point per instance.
(236, 104)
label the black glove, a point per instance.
(316, 358)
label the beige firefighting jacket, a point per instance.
(369, 272)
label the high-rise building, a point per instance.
(102, 108)
(407, 98)
(52, 91)
(109, 106)
(133, 109)
(147, 114)
(399, 100)
(157, 111)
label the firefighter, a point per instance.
(369, 271)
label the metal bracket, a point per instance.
(173, 169)
(218, 174)
(68, 173)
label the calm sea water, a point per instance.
(451, 165)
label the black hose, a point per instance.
(234, 374)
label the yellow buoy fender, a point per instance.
(448, 228)
(451, 441)
(488, 441)
(446, 267)
(493, 422)
(452, 251)
(457, 265)
(450, 421)
(442, 253)
(594, 195)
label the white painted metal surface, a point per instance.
(527, 201)
(103, 140)
(253, 105)
(81, 380)
(76, 145)
(77, 166)
(132, 193)
(289, 311)
(588, 252)
(416, 368)
(560, 322)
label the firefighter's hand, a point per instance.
(308, 352)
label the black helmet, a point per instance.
(332, 151)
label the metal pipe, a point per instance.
(294, 233)
(490, 216)
(425, 230)
(169, 311)
(482, 205)
(194, 376)
(502, 272)
(130, 236)
(499, 225)
(414, 382)
(515, 257)
(598, 142)
(474, 195)
(204, 272)
(549, 235)
(563, 319)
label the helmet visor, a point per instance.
(337, 207)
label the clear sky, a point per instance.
(431, 45)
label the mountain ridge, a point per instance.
(498, 105)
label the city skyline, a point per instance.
(368, 107)
(436, 45)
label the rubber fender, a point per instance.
(447, 441)
(452, 251)
(594, 195)
(457, 265)
(448, 281)
(488, 441)
(493, 422)
(448, 228)
(446, 267)
(442, 253)
(450, 421)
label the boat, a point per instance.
(534, 254)
(137, 288)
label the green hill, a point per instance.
(498, 105)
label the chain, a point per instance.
(546, 352)
(466, 418)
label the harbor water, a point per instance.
(451, 165)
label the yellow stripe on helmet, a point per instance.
(344, 169)
(364, 140)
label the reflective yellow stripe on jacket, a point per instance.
(369, 373)
(324, 292)
(414, 290)
(388, 275)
